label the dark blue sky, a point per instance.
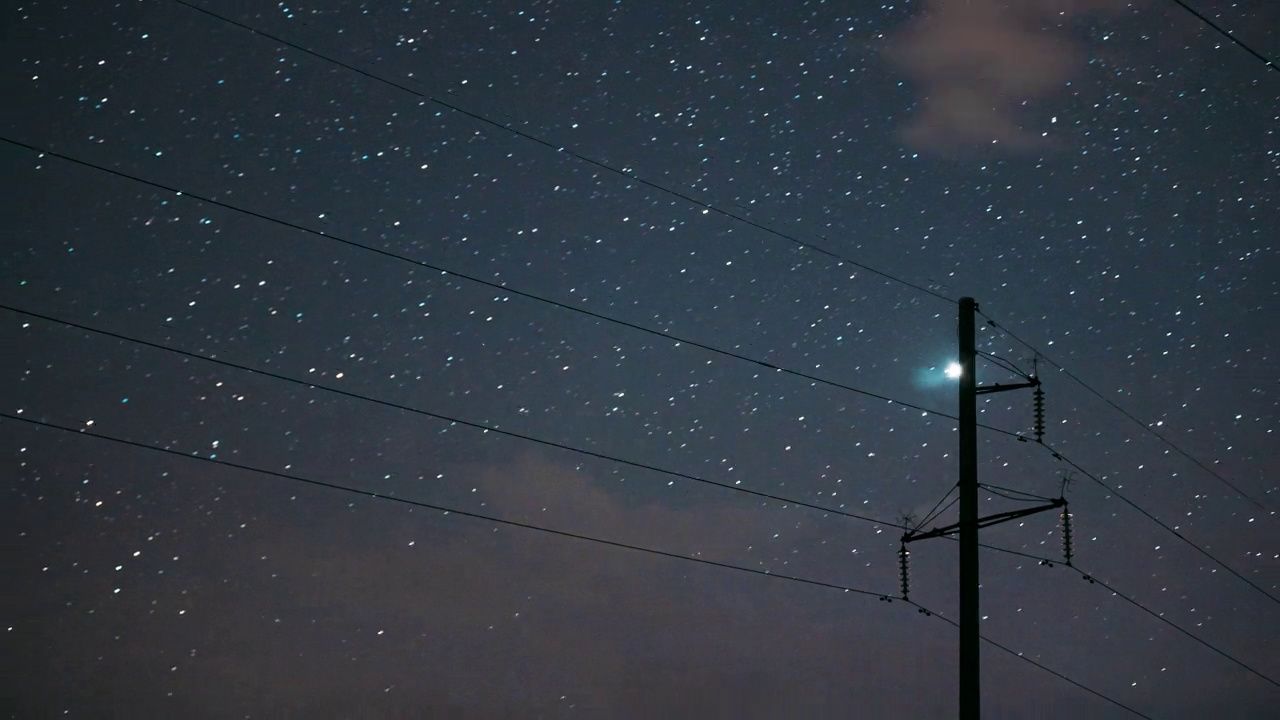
(1100, 175)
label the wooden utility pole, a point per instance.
(970, 523)
(970, 677)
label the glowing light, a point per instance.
(953, 370)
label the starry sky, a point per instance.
(599, 267)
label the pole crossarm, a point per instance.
(912, 536)
(997, 387)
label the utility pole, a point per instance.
(970, 677)
(970, 523)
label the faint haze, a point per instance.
(979, 65)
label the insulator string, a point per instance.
(903, 556)
(1066, 534)
(1038, 402)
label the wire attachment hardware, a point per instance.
(1066, 534)
(1038, 405)
(903, 556)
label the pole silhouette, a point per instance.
(970, 676)
(970, 524)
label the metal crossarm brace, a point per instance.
(988, 389)
(984, 522)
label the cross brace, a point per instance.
(988, 521)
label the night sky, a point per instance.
(807, 185)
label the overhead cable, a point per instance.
(840, 259)
(1040, 665)
(1095, 580)
(1122, 411)
(432, 506)
(1268, 62)
(1161, 523)
(537, 528)
(456, 421)
(494, 285)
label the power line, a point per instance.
(706, 206)
(800, 243)
(563, 447)
(489, 283)
(1093, 579)
(441, 508)
(1007, 551)
(393, 498)
(1060, 456)
(455, 420)
(803, 244)
(1174, 625)
(466, 423)
(1122, 411)
(605, 318)
(840, 259)
(711, 208)
(1228, 35)
(1161, 523)
(526, 526)
(570, 448)
(1040, 665)
(587, 452)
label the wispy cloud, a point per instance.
(979, 64)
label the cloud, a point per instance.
(979, 63)
(341, 609)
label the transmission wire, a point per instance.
(840, 259)
(417, 411)
(1043, 667)
(1122, 411)
(441, 508)
(1093, 579)
(811, 378)
(602, 317)
(1159, 522)
(489, 283)
(706, 206)
(1271, 64)
(528, 526)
